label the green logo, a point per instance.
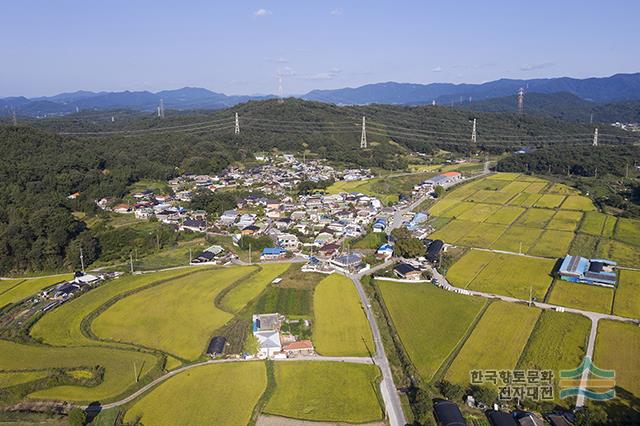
(588, 381)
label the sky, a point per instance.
(244, 47)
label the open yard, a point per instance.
(340, 327)
(581, 296)
(326, 391)
(177, 317)
(627, 298)
(430, 322)
(219, 394)
(617, 348)
(496, 342)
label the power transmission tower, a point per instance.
(595, 137)
(237, 131)
(14, 118)
(520, 100)
(474, 135)
(363, 138)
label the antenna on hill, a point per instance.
(363, 137)
(161, 109)
(280, 90)
(520, 100)
(474, 135)
(595, 137)
(237, 130)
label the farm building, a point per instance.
(500, 418)
(216, 346)
(299, 347)
(448, 178)
(433, 250)
(266, 329)
(273, 253)
(578, 269)
(407, 272)
(448, 414)
(208, 255)
(347, 262)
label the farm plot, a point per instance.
(251, 287)
(18, 378)
(560, 188)
(181, 399)
(506, 215)
(340, 327)
(287, 301)
(552, 244)
(479, 212)
(442, 206)
(482, 235)
(584, 245)
(517, 239)
(536, 187)
(578, 202)
(515, 276)
(624, 254)
(515, 187)
(581, 296)
(118, 365)
(627, 297)
(457, 209)
(326, 391)
(28, 287)
(442, 317)
(557, 342)
(535, 218)
(609, 226)
(525, 200)
(504, 176)
(617, 348)
(593, 223)
(453, 231)
(549, 201)
(62, 326)
(177, 317)
(465, 270)
(484, 350)
(628, 231)
(565, 220)
(479, 196)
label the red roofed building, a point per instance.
(299, 347)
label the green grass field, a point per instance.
(340, 327)
(517, 239)
(118, 365)
(617, 348)
(627, 297)
(558, 341)
(442, 206)
(371, 241)
(219, 394)
(177, 317)
(593, 223)
(584, 245)
(15, 291)
(503, 274)
(251, 288)
(496, 342)
(581, 296)
(552, 244)
(565, 220)
(62, 326)
(326, 391)
(430, 322)
(297, 302)
(625, 254)
(628, 231)
(17, 378)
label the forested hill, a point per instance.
(563, 106)
(39, 168)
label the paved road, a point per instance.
(355, 360)
(585, 374)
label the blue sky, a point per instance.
(240, 47)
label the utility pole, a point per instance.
(131, 261)
(113, 119)
(249, 253)
(81, 260)
(157, 241)
(520, 100)
(14, 118)
(363, 137)
(161, 109)
(189, 256)
(474, 135)
(135, 372)
(237, 131)
(595, 137)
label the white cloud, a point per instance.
(533, 67)
(336, 12)
(437, 69)
(327, 75)
(262, 12)
(286, 72)
(279, 60)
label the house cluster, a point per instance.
(212, 255)
(272, 343)
(61, 292)
(444, 180)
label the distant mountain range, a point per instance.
(579, 93)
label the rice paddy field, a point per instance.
(496, 342)
(582, 296)
(443, 319)
(220, 394)
(340, 327)
(627, 298)
(617, 348)
(251, 288)
(326, 391)
(525, 214)
(177, 317)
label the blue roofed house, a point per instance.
(379, 225)
(578, 269)
(385, 251)
(273, 253)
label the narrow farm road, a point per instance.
(585, 374)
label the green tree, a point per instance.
(439, 191)
(452, 391)
(591, 416)
(77, 417)
(482, 393)
(411, 247)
